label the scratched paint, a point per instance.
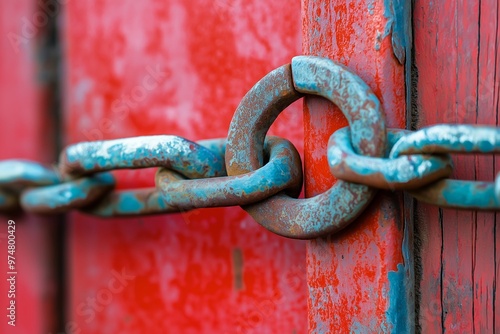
(348, 274)
(467, 195)
(130, 203)
(17, 175)
(176, 153)
(464, 139)
(358, 103)
(204, 55)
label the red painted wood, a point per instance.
(456, 48)
(25, 133)
(207, 271)
(348, 274)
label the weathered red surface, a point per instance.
(456, 48)
(348, 274)
(25, 133)
(180, 68)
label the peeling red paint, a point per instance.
(348, 273)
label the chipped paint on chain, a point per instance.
(21, 173)
(182, 155)
(283, 172)
(405, 172)
(73, 194)
(334, 209)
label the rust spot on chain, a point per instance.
(336, 208)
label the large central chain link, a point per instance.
(344, 201)
(264, 174)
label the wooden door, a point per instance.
(457, 65)
(360, 280)
(181, 67)
(421, 269)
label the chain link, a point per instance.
(334, 209)
(463, 139)
(264, 174)
(399, 172)
(283, 172)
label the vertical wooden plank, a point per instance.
(456, 48)
(483, 265)
(178, 67)
(496, 105)
(360, 281)
(26, 132)
(429, 235)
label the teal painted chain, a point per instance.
(265, 173)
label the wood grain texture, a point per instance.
(357, 280)
(456, 55)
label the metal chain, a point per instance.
(264, 174)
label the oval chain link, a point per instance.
(265, 173)
(17, 175)
(463, 139)
(88, 158)
(334, 209)
(283, 172)
(403, 172)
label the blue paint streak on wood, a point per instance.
(397, 313)
(398, 14)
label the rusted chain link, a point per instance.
(464, 139)
(265, 173)
(283, 172)
(400, 172)
(344, 201)
(17, 175)
(419, 161)
(82, 161)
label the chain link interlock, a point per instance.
(264, 174)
